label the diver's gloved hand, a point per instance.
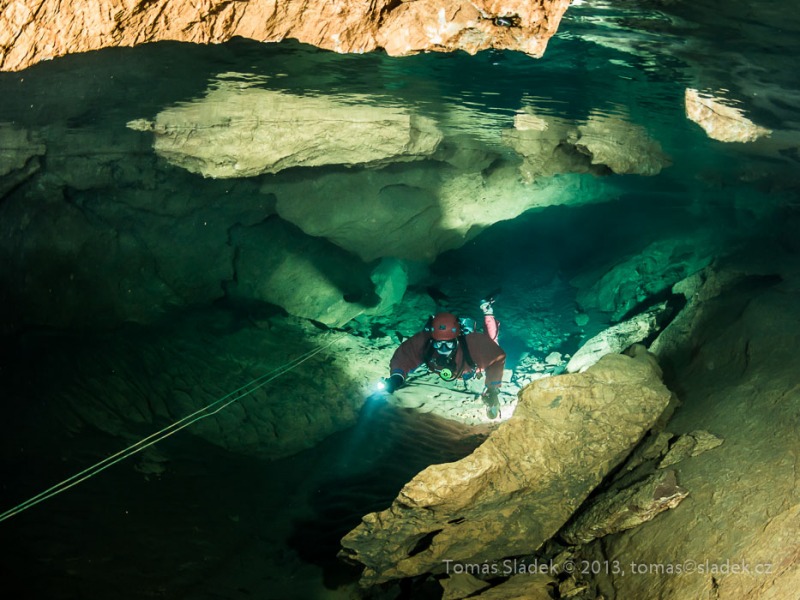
(491, 398)
(486, 307)
(393, 383)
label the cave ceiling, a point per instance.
(386, 149)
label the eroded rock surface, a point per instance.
(242, 131)
(689, 445)
(552, 145)
(619, 510)
(132, 384)
(35, 30)
(720, 121)
(656, 268)
(19, 156)
(617, 338)
(521, 587)
(307, 276)
(461, 585)
(735, 356)
(518, 488)
(17, 147)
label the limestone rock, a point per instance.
(619, 510)
(415, 213)
(17, 147)
(194, 361)
(19, 153)
(455, 401)
(616, 338)
(470, 26)
(541, 140)
(737, 365)
(390, 278)
(622, 146)
(571, 587)
(521, 485)
(691, 444)
(521, 587)
(241, 131)
(721, 121)
(655, 269)
(653, 447)
(552, 145)
(554, 358)
(699, 288)
(461, 585)
(307, 276)
(31, 30)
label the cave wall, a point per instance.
(36, 30)
(129, 213)
(731, 355)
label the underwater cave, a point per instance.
(210, 253)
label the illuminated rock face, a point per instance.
(517, 489)
(35, 30)
(734, 351)
(721, 122)
(234, 132)
(601, 144)
(650, 272)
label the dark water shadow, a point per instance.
(367, 467)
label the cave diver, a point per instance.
(452, 348)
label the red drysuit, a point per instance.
(486, 356)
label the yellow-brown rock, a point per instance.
(622, 146)
(551, 145)
(518, 488)
(618, 510)
(36, 30)
(720, 120)
(240, 131)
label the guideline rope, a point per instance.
(206, 411)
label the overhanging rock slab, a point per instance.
(517, 489)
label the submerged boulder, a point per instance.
(619, 510)
(518, 488)
(734, 353)
(19, 156)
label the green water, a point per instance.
(220, 525)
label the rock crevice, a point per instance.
(520, 487)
